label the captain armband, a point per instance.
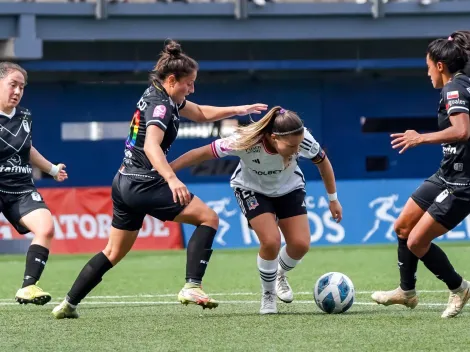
(321, 155)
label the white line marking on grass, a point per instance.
(227, 294)
(129, 303)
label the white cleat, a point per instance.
(65, 310)
(456, 302)
(268, 303)
(283, 289)
(398, 296)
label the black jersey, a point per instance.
(15, 141)
(155, 107)
(455, 98)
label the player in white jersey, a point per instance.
(270, 189)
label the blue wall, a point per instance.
(331, 108)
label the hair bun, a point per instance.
(172, 48)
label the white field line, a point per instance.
(227, 294)
(145, 303)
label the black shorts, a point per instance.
(15, 206)
(447, 204)
(253, 204)
(136, 196)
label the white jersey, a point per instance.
(264, 172)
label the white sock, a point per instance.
(268, 273)
(286, 263)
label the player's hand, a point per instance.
(243, 110)
(180, 192)
(336, 210)
(406, 140)
(62, 174)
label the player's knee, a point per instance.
(46, 231)
(210, 218)
(401, 229)
(300, 247)
(415, 244)
(271, 246)
(114, 254)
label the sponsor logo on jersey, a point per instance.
(267, 173)
(449, 150)
(256, 161)
(17, 169)
(456, 102)
(159, 111)
(453, 94)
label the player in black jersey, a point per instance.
(443, 200)
(20, 202)
(146, 184)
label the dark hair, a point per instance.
(277, 121)
(462, 39)
(173, 61)
(451, 51)
(8, 67)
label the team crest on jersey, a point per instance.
(36, 196)
(26, 126)
(252, 203)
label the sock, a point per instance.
(36, 259)
(268, 273)
(408, 265)
(286, 263)
(89, 277)
(438, 263)
(198, 253)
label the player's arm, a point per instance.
(153, 151)
(207, 113)
(56, 171)
(217, 149)
(456, 99)
(458, 132)
(193, 157)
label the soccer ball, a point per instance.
(334, 293)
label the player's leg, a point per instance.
(414, 209)
(28, 213)
(124, 230)
(293, 221)
(259, 211)
(199, 249)
(448, 210)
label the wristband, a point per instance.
(54, 170)
(332, 197)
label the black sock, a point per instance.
(408, 265)
(89, 277)
(199, 252)
(438, 263)
(35, 263)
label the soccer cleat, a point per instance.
(32, 294)
(398, 296)
(65, 310)
(268, 303)
(456, 303)
(193, 294)
(283, 289)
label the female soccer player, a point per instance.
(443, 200)
(20, 202)
(269, 185)
(146, 184)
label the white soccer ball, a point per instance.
(334, 293)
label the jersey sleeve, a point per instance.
(456, 98)
(156, 112)
(221, 147)
(310, 149)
